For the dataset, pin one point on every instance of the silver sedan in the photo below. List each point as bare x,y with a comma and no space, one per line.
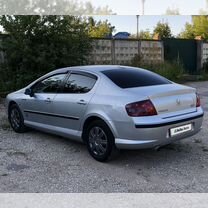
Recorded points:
108,108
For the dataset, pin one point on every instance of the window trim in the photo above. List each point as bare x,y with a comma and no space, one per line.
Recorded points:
64,73
86,74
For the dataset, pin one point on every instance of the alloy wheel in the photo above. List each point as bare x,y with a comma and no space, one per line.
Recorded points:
98,141
15,118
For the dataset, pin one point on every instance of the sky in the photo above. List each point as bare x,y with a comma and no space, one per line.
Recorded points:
152,7
128,23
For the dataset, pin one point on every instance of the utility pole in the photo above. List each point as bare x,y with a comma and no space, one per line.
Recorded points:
137,16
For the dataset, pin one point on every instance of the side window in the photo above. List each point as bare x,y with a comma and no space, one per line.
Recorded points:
49,85
78,83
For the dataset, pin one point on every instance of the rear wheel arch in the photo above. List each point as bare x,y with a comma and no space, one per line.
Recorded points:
94,143
91,119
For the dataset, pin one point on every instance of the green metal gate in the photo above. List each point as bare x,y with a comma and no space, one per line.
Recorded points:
183,50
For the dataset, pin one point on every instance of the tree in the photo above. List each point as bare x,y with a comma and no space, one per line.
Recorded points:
188,32
163,29
143,34
52,7
198,27
100,29
172,11
38,44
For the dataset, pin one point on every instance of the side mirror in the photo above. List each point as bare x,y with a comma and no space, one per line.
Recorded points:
29,92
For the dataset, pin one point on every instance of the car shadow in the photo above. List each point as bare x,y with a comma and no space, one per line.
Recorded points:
178,151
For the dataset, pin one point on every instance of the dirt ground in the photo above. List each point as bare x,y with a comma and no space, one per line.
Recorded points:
39,162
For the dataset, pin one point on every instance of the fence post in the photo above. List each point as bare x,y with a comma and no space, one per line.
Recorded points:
139,48
162,51
113,51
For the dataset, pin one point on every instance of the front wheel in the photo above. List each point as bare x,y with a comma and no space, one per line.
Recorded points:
100,141
16,119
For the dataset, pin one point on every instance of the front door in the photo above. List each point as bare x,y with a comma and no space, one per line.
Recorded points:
38,108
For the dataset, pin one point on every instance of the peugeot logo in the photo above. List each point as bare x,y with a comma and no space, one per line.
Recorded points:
178,101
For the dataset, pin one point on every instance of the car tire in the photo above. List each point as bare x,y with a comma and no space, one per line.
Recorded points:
100,141
16,119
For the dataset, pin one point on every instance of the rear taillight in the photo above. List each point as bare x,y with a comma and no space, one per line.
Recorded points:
198,102
141,108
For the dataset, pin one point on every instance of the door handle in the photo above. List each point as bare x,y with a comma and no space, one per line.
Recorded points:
82,102
48,100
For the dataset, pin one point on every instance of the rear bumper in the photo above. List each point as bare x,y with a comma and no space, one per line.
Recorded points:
158,134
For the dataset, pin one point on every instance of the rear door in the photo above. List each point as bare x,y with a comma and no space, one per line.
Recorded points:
38,108
71,102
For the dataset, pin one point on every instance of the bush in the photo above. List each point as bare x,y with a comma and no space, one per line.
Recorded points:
170,70
39,44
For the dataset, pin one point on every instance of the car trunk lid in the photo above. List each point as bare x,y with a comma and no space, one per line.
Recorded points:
170,98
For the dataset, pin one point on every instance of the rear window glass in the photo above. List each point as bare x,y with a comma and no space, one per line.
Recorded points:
129,78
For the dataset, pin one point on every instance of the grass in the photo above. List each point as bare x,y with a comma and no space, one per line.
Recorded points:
171,70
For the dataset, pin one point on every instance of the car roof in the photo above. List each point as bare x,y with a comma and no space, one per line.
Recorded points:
94,69
91,68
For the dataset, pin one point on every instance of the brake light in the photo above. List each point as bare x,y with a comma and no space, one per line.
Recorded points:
198,102
141,108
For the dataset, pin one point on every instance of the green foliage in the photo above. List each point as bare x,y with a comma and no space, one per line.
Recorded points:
143,34
51,7
188,32
163,29
198,27
99,29
39,44
170,70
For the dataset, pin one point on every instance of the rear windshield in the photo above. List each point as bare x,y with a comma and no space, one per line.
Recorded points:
129,78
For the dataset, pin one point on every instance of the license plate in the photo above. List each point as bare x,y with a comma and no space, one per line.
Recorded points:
180,129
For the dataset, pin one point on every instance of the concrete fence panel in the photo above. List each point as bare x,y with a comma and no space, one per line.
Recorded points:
122,51
204,55
101,52
125,51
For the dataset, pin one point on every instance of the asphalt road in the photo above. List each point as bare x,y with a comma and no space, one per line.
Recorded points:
39,162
